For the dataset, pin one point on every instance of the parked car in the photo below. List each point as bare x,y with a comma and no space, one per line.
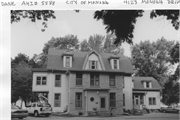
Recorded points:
171,109
40,109
17,112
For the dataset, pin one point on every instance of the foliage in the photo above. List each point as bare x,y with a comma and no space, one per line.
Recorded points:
175,53
152,59
33,15
101,43
21,82
84,46
21,77
122,22
171,87
119,22
70,42
172,15
170,92
66,42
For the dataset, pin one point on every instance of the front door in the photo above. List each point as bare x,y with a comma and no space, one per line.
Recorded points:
102,103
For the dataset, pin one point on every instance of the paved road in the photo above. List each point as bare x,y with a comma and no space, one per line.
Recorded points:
151,116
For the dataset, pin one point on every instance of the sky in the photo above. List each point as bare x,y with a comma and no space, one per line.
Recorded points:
27,37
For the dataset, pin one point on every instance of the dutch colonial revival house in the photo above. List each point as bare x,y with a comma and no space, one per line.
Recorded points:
84,82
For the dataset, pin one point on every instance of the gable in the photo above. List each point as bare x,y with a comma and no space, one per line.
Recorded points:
93,59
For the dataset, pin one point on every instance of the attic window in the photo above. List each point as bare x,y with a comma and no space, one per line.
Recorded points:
67,62
115,64
93,64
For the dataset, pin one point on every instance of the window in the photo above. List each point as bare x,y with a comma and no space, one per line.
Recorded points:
94,80
112,100
93,64
57,80
123,99
57,100
115,64
141,100
67,62
41,80
78,79
112,80
147,85
152,101
78,100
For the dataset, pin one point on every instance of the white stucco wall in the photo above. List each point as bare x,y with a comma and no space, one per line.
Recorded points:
50,87
127,91
93,57
152,94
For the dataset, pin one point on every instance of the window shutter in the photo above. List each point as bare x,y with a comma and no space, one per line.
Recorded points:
96,63
90,64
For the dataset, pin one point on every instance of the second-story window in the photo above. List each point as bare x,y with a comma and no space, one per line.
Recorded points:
57,80
94,79
115,64
78,78
93,64
111,80
67,64
41,80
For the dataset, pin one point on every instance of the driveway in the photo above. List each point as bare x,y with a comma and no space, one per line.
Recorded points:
151,116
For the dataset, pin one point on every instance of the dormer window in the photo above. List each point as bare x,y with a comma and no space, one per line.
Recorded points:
67,59
115,64
147,84
67,64
114,61
93,64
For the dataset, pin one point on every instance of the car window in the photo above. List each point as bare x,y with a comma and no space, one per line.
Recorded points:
14,107
33,105
46,105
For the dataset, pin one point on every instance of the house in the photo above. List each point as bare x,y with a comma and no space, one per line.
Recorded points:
146,92
85,82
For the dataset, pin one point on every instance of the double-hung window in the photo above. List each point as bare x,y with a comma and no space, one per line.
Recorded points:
115,64
93,64
111,80
78,100
94,79
78,78
41,80
57,80
57,100
112,99
152,101
67,62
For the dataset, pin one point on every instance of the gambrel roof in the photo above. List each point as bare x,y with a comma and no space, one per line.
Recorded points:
55,61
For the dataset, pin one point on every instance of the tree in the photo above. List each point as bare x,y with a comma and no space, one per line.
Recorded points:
101,43
33,15
84,46
70,42
171,87
152,59
21,82
21,77
110,47
122,22
172,15
95,42
170,93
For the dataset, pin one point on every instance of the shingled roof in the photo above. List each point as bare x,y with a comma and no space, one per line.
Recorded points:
138,83
55,61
